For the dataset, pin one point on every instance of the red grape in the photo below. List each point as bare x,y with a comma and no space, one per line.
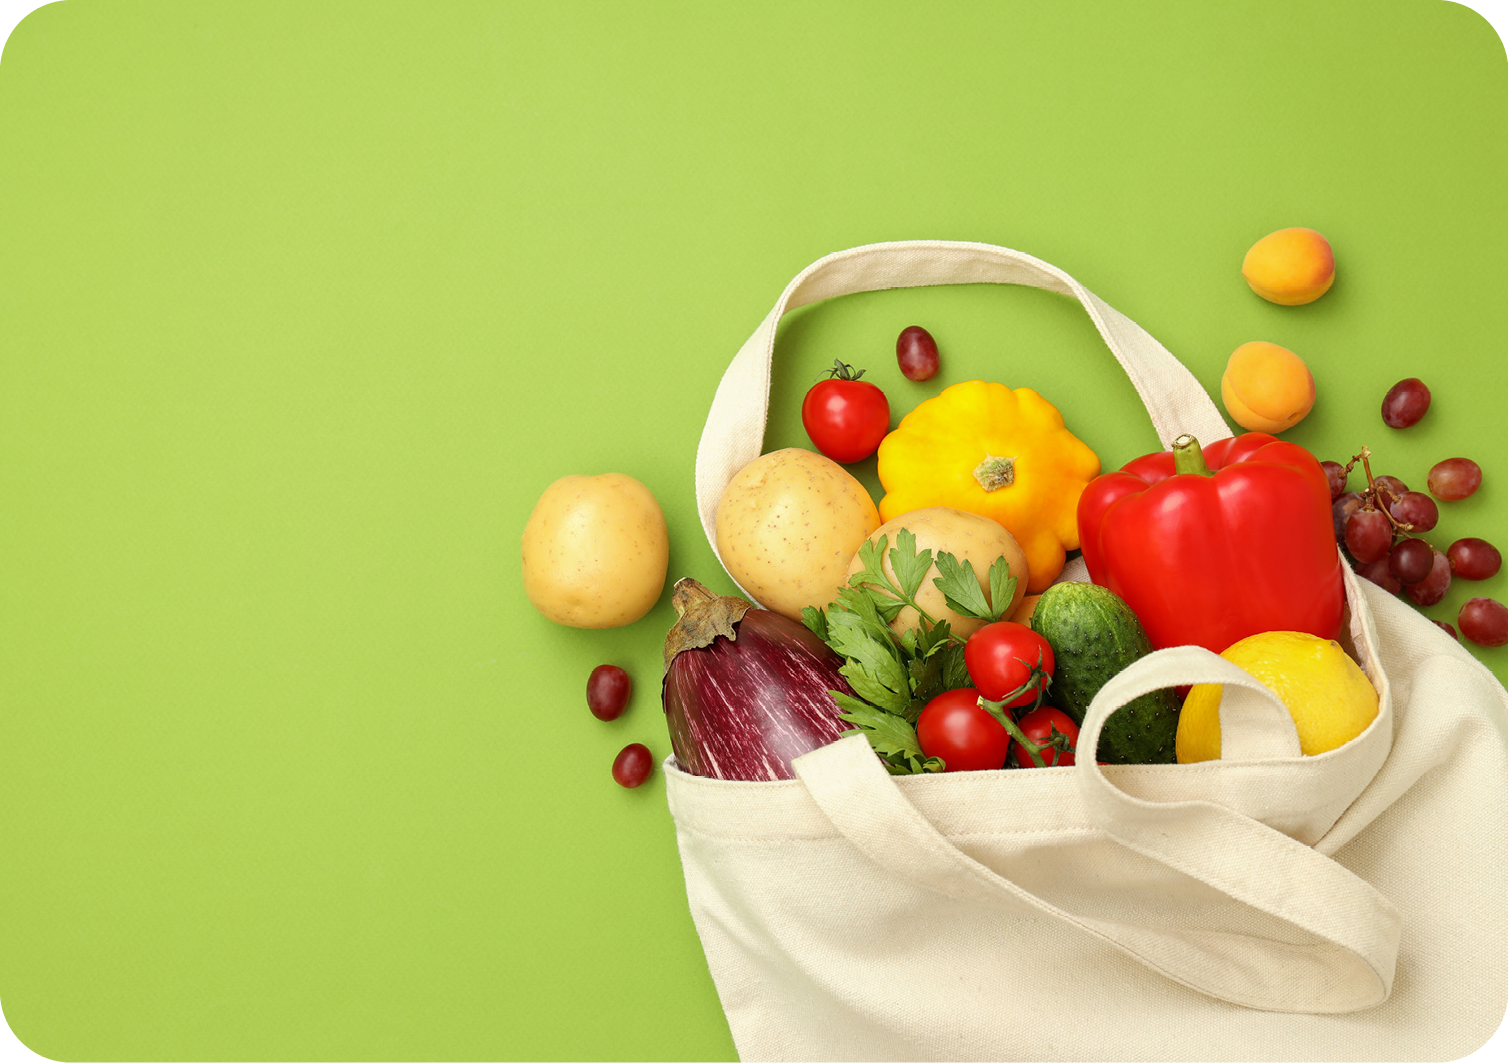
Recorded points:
1454,478
1432,588
1379,573
1411,561
1336,472
1368,535
1484,621
1443,626
607,690
633,765
1417,510
1405,403
916,351
1341,511
1392,485
1473,558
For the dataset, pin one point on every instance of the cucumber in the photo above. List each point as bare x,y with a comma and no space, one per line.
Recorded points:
1094,634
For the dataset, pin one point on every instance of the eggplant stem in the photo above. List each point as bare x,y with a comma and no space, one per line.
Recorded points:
703,616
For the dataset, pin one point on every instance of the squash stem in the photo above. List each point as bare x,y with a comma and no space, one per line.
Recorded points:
994,472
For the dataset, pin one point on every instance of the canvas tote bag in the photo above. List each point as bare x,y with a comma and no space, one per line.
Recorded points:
1264,906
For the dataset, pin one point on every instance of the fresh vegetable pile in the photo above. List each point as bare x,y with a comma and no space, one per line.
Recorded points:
933,622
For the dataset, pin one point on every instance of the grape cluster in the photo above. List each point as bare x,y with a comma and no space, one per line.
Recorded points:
1381,527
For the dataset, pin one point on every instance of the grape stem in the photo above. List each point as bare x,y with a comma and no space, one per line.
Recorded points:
1377,492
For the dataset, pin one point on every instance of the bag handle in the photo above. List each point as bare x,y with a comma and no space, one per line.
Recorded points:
1348,967
734,432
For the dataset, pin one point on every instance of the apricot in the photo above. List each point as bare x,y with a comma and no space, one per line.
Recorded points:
1266,388
1290,267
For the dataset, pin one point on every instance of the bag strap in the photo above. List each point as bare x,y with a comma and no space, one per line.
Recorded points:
734,432
1348,966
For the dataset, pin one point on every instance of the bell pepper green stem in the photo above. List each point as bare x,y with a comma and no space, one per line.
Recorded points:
1188,457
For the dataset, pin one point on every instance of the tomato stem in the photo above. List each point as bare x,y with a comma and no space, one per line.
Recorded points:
1039,680
998,710
843,371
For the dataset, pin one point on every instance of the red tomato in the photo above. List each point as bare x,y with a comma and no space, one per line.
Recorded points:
966,737
1038,725
1000,658
846,417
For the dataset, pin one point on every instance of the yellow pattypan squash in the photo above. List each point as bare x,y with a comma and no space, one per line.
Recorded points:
1000,453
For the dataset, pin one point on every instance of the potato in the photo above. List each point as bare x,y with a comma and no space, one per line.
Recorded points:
787,524
595,551
968,537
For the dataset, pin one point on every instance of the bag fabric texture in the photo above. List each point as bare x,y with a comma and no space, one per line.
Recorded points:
1268,905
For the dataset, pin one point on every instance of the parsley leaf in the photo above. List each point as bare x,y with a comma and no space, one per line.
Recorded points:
890,692
1002,587
909,565
955,671
872,576
961,590
893,738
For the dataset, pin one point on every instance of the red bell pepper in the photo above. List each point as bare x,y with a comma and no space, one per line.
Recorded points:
1210,546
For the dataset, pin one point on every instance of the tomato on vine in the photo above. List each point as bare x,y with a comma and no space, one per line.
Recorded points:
844,416
1009,662
1053,732
966,737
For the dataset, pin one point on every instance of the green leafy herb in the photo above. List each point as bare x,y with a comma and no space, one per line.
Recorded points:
893,737
961,589
894,676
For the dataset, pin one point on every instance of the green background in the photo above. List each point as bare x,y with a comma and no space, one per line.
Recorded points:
304,305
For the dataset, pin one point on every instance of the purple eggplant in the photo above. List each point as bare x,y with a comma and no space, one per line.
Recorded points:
746,689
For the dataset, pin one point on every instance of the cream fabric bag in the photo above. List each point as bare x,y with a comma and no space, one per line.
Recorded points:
1265,906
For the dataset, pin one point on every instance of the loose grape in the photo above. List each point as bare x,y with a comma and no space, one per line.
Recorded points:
633,765
607,690
1454,479
1411,561
916,351
1417,510
1443,626
1394,487
1379,573
1368,535
1341,511
1484,621
1336,472
1405,403
1432,588
1473,558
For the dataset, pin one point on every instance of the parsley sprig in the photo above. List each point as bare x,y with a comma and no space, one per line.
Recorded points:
894,676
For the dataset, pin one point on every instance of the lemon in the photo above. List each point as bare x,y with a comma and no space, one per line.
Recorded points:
1329,697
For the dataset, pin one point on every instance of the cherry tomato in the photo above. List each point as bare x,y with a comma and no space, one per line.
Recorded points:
966,737
1000,658
1038,725
846,417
